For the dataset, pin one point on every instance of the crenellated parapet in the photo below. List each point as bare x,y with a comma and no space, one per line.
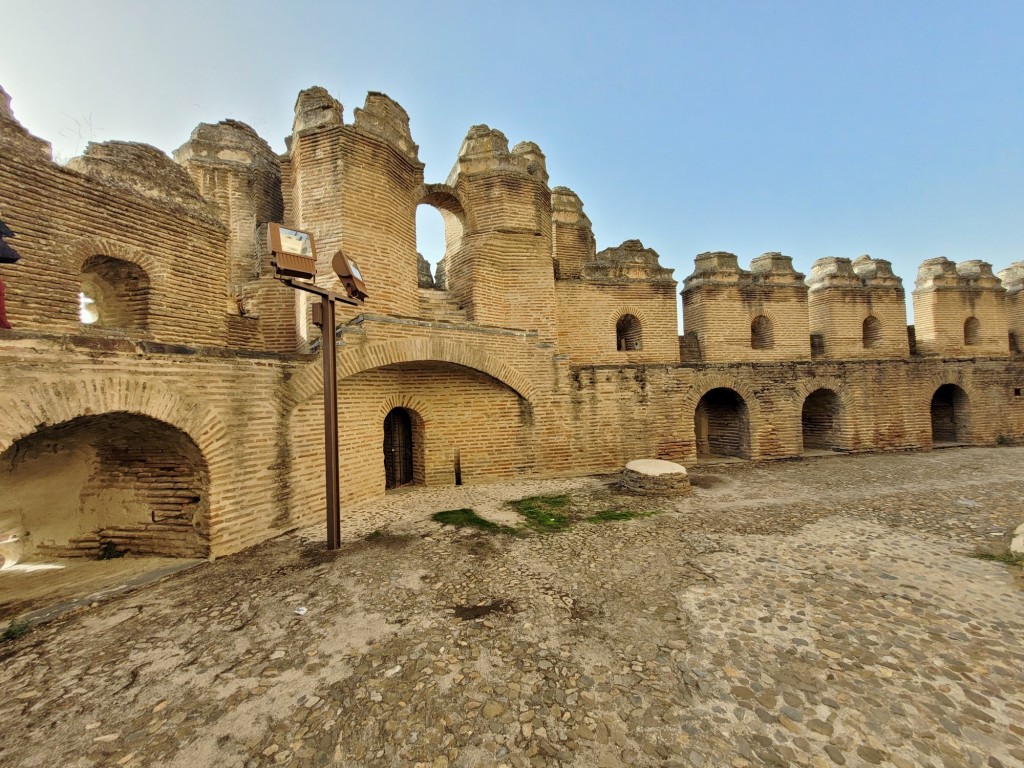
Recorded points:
746,315
858,308
504,272
316,108
1013,281
959,309
355,187
620,309
629,262
572,235
385,118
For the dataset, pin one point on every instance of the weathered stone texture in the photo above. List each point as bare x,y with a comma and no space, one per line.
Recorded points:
858,308
722,304
531,354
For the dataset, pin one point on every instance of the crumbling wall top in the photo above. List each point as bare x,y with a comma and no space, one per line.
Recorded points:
141,168
864,271
228,142
1013,277
627,262
775,267
384,117
316,108
485,149
567,207
876,271
714,267
832,272
941,273
13,131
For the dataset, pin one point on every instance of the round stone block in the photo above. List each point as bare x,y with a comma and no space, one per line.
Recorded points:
653,477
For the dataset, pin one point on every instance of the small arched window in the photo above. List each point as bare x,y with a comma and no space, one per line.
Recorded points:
972,331
628,334
872,332
115,294
761,335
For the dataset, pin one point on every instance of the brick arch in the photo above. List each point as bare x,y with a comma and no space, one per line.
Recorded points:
704,383
352,361
804,389
931,383
420,407
622,311
626,309
84,249
42,405
443,197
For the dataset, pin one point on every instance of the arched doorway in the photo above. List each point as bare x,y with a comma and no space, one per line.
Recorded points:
949,415
104,486
819,420
400,449
721,425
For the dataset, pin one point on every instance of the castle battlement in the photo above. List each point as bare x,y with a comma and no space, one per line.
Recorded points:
157,367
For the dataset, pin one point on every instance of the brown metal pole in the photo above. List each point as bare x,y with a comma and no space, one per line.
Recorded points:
330,422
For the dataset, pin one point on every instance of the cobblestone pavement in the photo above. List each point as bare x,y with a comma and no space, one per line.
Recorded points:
819,612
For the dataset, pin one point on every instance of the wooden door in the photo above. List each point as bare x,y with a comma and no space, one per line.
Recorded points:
397,448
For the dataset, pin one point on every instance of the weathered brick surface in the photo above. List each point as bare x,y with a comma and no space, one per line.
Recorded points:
514,368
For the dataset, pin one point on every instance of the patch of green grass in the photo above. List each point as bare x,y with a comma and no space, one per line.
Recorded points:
15,629
1008,558
467,518
609,515
546,514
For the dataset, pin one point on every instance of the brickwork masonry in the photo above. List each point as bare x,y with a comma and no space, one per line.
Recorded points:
162,393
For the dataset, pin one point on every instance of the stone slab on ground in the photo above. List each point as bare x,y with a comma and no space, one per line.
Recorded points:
654,477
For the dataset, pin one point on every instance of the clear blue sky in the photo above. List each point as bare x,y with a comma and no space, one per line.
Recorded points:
814,128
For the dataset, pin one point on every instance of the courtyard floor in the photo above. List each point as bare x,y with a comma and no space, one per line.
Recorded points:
818,612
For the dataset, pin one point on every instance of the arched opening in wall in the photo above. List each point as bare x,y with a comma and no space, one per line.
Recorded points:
819,421
628,334
871,334
1014,343
403,448
115,294
761,333
721,424
103,486
440,227
972,331
950,411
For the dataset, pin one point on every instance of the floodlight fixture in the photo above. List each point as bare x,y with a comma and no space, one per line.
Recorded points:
350,276
292,252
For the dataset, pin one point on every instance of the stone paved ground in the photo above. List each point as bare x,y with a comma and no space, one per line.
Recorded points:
820,612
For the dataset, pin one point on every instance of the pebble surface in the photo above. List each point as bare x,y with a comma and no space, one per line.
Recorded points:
821,612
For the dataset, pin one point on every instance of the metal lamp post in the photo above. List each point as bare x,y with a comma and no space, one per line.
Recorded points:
293,255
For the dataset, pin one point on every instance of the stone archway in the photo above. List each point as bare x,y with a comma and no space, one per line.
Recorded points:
950,414
722,424
403,448
106,485
819,420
